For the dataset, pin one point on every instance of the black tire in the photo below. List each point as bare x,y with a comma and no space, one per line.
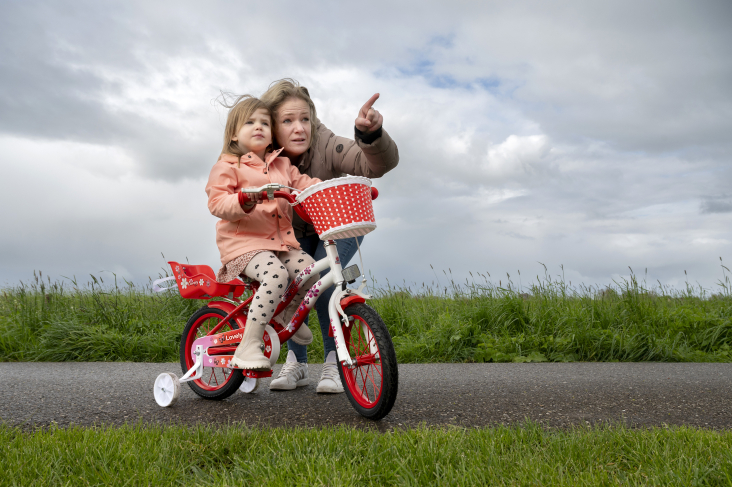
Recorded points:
216,383
371,388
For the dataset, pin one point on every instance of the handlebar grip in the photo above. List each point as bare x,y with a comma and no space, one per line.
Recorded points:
374,193
244,198
248,197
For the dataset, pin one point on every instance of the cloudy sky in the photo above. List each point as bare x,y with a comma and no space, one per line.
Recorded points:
596,136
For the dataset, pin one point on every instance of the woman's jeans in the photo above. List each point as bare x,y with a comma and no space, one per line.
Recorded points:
313,246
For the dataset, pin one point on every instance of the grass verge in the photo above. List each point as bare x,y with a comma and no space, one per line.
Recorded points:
477,321
518,455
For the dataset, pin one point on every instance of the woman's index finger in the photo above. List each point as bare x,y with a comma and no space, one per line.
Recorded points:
367,105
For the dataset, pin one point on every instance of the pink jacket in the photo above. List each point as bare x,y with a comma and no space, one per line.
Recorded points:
269,225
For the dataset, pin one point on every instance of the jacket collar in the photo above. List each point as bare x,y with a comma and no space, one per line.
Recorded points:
305,161
272,155
250,158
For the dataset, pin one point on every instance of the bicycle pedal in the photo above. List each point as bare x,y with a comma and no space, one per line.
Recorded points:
257,374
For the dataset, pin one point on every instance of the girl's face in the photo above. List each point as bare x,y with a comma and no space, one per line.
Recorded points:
255,135
292,127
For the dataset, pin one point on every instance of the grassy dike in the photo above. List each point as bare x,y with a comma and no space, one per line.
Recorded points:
228,456
473,322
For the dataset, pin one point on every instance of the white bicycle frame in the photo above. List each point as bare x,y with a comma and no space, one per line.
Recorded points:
334,277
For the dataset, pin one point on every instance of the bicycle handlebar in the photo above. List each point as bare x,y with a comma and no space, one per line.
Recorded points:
295,206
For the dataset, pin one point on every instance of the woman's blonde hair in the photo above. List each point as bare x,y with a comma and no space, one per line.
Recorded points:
282,90
240,109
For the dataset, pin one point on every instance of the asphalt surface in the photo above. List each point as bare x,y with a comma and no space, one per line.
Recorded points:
469,395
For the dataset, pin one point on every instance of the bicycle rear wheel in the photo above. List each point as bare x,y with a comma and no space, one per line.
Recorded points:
371,386
217,382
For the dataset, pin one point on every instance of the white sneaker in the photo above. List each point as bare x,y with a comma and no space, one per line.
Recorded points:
330,380
292,375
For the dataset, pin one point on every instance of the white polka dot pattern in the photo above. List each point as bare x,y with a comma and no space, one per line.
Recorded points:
341,211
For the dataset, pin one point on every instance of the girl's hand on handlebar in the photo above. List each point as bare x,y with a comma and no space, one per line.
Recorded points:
250,197
253,195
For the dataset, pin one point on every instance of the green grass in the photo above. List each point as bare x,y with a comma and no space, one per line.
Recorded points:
477,321
45,321
236,455
552,321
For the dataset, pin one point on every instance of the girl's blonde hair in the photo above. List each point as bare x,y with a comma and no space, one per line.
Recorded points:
241,109
282,90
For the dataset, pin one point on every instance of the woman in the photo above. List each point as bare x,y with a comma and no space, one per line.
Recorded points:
319,153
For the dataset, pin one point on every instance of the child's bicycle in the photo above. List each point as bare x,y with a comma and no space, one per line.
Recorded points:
338,208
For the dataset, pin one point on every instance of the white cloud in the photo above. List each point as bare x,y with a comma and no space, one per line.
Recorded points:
568,133
519,157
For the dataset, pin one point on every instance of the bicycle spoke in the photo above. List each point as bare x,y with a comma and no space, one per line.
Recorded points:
372,381
378,370
364,391
366,378
365,382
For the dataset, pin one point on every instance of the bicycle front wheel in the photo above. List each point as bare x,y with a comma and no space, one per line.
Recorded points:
371,385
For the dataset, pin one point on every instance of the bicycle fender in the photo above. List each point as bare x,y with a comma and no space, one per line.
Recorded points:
228,308
345,297
344,303
222,305
349,300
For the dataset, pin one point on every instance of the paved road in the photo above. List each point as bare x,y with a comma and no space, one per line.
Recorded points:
558,395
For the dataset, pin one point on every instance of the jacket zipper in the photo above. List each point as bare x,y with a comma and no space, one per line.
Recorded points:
277,208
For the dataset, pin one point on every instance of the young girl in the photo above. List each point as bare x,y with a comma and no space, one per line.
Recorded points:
256,239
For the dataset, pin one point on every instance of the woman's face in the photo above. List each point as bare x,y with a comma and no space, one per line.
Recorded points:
292,127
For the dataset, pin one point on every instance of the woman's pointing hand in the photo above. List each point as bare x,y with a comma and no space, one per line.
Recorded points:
369,119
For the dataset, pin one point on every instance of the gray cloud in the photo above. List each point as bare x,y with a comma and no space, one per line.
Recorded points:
716,206
569,133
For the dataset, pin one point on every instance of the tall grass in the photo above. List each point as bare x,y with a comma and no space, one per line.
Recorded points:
475,321
551,320
65,321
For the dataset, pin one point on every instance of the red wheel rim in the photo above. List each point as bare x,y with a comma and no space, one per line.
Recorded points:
214,378
364,381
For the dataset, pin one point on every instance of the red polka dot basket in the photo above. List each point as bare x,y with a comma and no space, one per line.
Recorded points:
340,207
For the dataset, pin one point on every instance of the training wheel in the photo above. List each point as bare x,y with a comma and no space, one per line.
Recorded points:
167,389
272,344
249,385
